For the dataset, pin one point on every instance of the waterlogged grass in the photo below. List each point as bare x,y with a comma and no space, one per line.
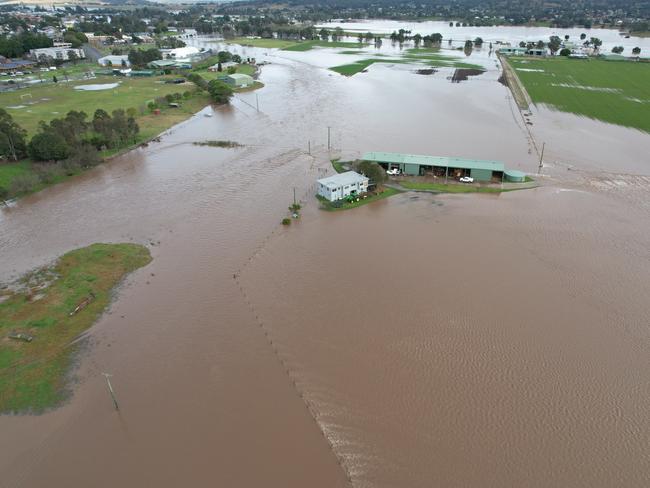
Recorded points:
343,205
264,43
358,66
456,187
33,374
430,57
618,93
8,171
338,166
308,45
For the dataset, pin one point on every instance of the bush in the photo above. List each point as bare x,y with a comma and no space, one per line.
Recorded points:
219,91
565,52
286,221
23,183
187,94
86,156
48,173
152,106
48,146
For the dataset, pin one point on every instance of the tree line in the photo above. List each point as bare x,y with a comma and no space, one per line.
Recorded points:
64,145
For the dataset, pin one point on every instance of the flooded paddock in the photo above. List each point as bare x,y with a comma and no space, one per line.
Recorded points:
473,340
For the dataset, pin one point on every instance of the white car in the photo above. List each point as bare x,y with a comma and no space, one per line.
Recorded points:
466,179
392,172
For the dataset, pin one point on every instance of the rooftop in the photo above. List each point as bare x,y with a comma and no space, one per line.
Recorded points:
440,161
341,179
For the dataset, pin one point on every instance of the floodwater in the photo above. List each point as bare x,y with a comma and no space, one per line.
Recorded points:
454,341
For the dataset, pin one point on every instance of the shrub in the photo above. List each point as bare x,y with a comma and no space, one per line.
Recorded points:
23,183
48,146
187,94
286,221
48,173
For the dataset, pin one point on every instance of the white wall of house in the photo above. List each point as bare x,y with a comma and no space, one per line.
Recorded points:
333,193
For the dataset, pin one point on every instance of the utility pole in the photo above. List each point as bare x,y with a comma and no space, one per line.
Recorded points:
110,389
309,147
541,159
328,138
257,102
294,196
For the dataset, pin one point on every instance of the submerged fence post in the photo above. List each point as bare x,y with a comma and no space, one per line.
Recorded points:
541,159
110,389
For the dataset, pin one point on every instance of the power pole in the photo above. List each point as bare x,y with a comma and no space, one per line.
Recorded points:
294,196
257,102
541,159
328,138
110,389
309,147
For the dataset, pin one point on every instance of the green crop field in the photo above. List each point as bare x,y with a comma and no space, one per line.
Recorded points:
614,92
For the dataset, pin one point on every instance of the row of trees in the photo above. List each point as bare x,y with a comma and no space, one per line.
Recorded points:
72,136
142,57
17,45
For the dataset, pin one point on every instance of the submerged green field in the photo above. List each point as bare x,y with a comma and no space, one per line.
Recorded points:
614,92
53,306
428,57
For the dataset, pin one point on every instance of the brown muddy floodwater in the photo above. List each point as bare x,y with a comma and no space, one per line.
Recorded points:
419,341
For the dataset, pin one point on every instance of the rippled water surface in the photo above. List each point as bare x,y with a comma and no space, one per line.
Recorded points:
418,341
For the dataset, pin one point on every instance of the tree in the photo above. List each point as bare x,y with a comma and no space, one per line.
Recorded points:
417,39
566,37
12,137
583,36
373,171
54,79
451,24
73,56
324,34
219,67
219,91
554,44
224,56
369,36
48,146
468,45
478,42
565,52
236,58
522,44
596,43
636,51
617,49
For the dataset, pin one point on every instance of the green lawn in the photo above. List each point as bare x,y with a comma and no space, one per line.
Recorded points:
8,171
49,101
343,205
33,374
338,166
618,93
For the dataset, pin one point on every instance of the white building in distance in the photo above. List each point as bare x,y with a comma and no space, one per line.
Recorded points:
62,53
341,185
115,60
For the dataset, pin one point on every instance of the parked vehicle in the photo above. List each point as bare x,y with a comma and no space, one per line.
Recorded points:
466,179
392,172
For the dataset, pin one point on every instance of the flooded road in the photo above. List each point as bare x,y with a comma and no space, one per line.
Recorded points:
498,341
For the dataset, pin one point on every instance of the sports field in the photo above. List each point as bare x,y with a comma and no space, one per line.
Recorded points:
617,92
52,100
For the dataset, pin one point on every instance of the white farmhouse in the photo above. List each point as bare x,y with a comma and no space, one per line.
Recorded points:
341,185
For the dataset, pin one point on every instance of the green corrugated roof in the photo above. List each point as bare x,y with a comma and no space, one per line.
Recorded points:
444,162
515,173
